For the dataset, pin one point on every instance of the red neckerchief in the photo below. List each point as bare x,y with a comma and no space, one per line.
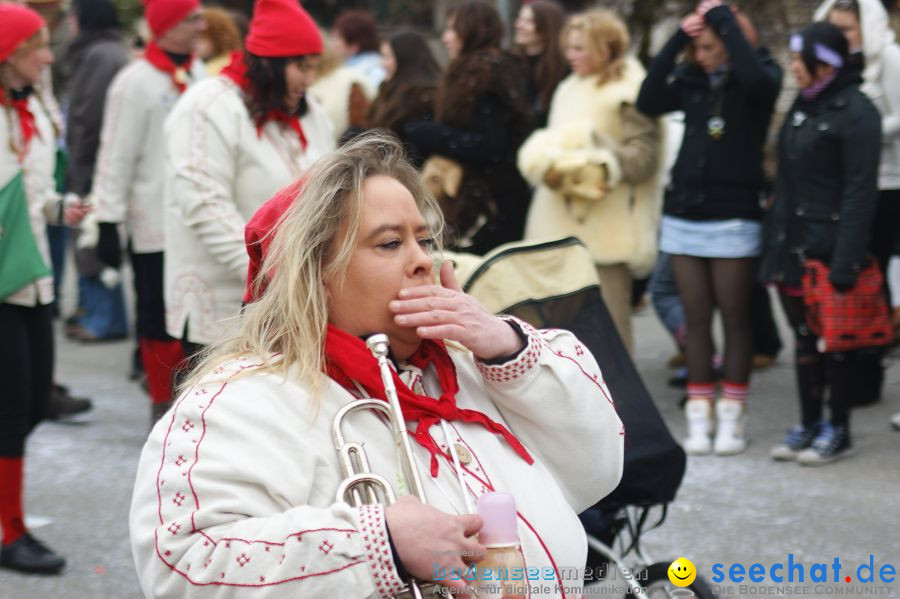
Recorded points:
348,360
179,73
27,124
237,72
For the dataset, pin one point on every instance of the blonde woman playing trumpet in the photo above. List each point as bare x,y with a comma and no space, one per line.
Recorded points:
236,488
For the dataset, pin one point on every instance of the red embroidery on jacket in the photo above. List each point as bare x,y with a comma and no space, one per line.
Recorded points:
244,557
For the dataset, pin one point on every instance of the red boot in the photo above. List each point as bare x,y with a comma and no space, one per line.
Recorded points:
161,359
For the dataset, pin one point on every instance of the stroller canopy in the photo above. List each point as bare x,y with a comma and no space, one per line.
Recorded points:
554,285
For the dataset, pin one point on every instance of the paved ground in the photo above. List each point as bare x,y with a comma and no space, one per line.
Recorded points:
744,509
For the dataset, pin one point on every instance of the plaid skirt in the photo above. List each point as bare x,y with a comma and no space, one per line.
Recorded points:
851,320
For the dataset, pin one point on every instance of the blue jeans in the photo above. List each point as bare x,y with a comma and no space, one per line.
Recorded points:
104,308
58,239
665,298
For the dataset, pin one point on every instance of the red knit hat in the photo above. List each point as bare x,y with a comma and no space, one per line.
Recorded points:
282,28
162,15
19,24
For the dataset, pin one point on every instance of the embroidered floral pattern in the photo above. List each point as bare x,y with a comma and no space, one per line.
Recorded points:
523,364
373,529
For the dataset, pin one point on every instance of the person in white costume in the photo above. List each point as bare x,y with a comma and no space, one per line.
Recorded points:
235,494
233,141
28,201
128,180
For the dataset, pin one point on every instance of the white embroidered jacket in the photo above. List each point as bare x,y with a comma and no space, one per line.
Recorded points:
128,180
235,492
219,170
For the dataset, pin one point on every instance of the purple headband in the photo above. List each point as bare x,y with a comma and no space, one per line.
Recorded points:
823,52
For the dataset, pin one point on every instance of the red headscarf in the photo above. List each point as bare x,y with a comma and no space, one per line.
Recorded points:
258,234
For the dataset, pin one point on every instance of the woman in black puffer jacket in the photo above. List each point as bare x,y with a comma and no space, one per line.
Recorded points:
825,198
712,211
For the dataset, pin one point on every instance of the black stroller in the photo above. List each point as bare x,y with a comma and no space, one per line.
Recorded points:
554,284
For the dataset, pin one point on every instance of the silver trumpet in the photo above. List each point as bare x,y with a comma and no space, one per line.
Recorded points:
360,485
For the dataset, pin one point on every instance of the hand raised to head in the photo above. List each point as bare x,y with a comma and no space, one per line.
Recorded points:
707,5
693,24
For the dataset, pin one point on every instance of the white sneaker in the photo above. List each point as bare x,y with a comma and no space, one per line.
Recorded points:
699,426
730,436
895,421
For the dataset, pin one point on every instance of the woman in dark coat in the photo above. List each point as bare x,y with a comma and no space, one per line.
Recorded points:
482,118
95,56
410,84
825,197
537,42
712,211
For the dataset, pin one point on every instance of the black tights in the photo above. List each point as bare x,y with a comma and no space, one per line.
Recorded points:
26,372
815,370
704,283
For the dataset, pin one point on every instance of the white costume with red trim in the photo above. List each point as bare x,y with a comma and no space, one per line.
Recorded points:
235,492
40,188
128,181
219,170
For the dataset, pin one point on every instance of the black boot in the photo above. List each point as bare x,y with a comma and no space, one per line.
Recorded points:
869,376
27,554
811,380
64,407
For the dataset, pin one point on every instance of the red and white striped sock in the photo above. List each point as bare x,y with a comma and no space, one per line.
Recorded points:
701,391
735,391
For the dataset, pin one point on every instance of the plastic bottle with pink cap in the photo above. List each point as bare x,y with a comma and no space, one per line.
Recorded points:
498,577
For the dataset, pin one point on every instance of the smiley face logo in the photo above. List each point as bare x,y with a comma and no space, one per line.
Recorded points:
682,572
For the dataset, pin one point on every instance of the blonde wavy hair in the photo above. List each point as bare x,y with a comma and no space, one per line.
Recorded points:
311,245
606,38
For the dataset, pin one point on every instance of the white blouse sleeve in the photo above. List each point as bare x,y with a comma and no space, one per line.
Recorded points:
555,400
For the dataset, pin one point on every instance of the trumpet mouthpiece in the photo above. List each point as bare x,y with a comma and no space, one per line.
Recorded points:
378,345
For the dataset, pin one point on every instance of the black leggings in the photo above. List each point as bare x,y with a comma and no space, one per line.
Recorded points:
816,370
704,283
148,286
26,372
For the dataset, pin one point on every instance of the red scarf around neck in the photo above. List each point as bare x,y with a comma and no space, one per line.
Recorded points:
27,124
179,73
237,72
348,360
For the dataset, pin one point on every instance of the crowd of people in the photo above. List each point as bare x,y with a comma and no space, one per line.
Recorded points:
280,191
